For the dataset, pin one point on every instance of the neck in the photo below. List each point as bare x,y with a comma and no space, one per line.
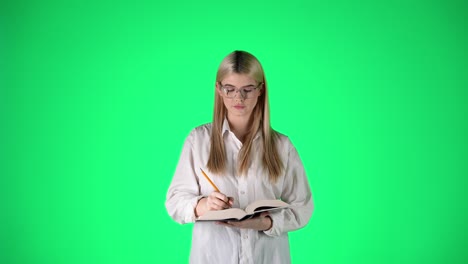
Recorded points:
239,126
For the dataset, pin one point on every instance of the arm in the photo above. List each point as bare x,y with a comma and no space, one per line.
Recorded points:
296,192
183,194
184,202
262,222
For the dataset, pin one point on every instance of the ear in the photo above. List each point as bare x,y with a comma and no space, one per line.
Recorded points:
218,88
262,88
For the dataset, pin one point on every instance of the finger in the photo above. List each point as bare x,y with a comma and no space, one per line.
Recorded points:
264,214
235,224
217,204
231,201
220,196
222,223
221,203
215,207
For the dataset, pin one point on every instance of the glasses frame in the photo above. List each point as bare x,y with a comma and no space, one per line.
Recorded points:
238,90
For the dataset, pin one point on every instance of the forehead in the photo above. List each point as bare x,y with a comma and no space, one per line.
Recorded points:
238,80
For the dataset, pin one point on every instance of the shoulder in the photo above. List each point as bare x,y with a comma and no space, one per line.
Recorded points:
283,142
200,133
287,150
202,129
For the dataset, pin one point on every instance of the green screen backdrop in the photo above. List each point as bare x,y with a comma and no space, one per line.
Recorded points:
97,97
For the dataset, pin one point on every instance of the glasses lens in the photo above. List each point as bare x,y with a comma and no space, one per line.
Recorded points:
230,92
246,92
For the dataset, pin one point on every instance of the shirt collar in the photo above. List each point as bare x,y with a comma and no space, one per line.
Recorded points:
227,128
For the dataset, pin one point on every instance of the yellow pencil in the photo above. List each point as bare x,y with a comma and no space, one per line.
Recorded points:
209,180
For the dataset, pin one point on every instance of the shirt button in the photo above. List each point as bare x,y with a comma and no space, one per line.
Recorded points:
242,192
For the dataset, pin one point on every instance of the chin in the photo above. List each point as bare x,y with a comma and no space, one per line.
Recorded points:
242,114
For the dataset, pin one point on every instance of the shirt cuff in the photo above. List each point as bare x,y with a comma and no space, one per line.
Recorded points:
190,214
277,220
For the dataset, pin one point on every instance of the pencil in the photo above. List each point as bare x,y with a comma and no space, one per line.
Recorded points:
209,180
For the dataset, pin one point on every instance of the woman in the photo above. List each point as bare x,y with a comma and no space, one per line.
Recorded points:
248,161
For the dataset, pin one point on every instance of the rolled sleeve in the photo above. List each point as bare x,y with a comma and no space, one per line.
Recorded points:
184,194
296,192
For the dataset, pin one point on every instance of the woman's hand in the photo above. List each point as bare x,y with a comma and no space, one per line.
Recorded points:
215,201
262,222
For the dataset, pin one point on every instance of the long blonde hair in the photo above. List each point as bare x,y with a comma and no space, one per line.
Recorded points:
242,62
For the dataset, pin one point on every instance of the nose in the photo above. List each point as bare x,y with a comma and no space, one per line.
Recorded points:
239,95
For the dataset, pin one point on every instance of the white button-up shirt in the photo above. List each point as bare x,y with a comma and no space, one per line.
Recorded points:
213,243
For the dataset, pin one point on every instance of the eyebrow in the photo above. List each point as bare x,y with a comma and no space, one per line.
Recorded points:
227,84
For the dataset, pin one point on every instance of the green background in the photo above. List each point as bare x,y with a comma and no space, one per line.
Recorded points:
97,97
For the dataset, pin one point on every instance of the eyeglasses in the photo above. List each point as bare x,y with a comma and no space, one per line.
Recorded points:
247,92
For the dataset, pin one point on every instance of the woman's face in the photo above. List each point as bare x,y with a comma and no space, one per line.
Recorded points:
242,104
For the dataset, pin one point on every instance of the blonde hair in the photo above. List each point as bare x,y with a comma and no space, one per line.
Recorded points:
242,62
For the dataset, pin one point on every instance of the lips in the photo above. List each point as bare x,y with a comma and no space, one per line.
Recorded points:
239,106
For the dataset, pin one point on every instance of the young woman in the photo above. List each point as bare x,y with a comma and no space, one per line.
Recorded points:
248,161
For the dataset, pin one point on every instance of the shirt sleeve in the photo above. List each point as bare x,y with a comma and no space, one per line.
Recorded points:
184,193
296,192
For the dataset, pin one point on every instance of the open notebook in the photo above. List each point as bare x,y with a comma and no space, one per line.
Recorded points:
237,214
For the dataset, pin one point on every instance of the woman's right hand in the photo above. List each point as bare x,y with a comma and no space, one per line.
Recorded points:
218,201
215,201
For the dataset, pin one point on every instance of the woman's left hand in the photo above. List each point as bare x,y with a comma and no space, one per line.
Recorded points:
261,223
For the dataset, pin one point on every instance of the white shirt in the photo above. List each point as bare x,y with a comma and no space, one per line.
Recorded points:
213,243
